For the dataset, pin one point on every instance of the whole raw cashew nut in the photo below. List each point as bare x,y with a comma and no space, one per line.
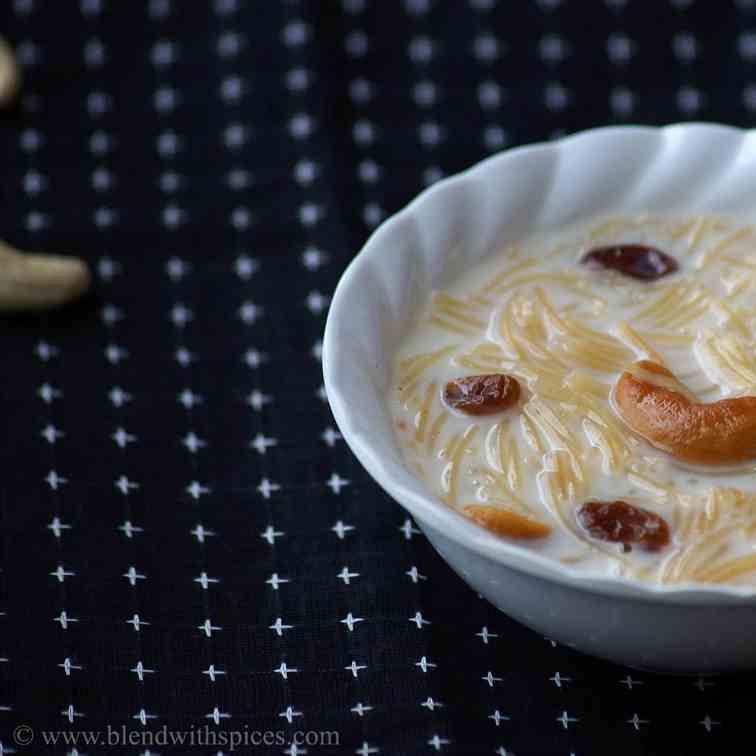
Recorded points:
10,74
658,407
31,281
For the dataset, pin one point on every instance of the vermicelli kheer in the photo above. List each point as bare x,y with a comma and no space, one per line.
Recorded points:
592,394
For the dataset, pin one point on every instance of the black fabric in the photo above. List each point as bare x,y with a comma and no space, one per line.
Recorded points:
219,164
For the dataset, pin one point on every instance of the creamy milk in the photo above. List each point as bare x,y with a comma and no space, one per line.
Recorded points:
566,332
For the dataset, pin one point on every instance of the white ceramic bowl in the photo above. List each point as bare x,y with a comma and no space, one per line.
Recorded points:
687,168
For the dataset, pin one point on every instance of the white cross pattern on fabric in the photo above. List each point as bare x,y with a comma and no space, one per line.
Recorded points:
142,716
64,619
313,258
629,682
136,622
270,534
205,581
701,683
266,488
34,182
254,358
261,443
239,179
419,620
169,182
249,312
51,434
111,314
484,634
408,529
71,714
244,266
274,581
54,480
566,720
636,721
366,749
310,214
46,351
140,671
193,442
709,723
115,354
346,575
128,529
102,181
341,529
57,526
61,573
350,621
181,315
498,717
360,709
195,489
438,742
285,670
289,714
278,627
122,438
257,400
48,393
216,715
330,437
354,668
125,486
200,533
188,399
305,172
107,267
208,628
316,302
491,679
336,483
414,575
68,666
118,397
424,664
132,576
212,672
559,679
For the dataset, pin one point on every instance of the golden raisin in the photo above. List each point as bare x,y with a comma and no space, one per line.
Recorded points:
482,394
620,522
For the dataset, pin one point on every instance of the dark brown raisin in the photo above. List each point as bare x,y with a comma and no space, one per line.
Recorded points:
620,522
634,260
482,394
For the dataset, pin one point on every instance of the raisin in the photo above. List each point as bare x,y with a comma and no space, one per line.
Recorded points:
634,260
482,394
620,522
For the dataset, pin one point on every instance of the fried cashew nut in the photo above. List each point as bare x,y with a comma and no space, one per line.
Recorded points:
505,523
10,74
30,281
654,404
